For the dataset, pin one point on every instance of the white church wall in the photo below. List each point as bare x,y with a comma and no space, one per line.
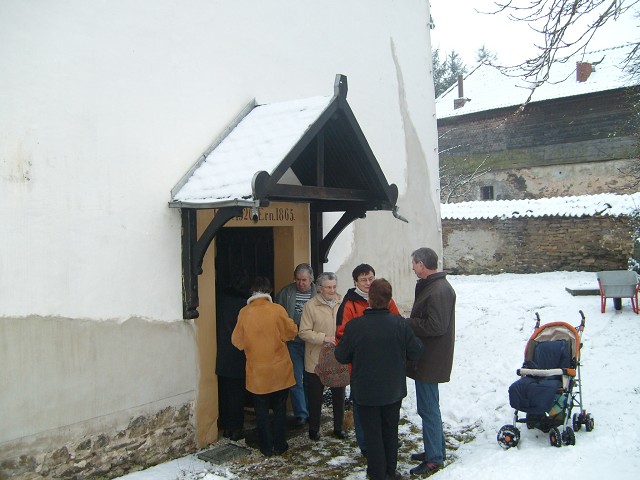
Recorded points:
78,377
405,143
107,105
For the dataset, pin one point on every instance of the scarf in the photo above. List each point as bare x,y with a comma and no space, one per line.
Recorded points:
362,294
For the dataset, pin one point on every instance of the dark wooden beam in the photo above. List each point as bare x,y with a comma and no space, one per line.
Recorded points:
222,216
363,144
345,220
307,193
320,159
315,227
193,251
306,139
189,277
343,206
340,86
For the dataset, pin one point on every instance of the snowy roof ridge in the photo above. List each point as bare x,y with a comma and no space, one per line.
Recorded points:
258,142
605,204
487,88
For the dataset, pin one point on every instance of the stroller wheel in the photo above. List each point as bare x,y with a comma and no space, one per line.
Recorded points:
508,436
555,439
577,424
568,436
589,422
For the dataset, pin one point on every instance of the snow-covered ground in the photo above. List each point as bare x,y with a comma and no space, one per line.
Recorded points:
495,317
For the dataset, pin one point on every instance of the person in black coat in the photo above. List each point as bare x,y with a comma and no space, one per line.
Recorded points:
378,345
230,364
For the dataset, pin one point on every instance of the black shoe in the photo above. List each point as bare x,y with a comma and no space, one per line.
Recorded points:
226,433
301,422
425,467
314,435
236,435
339,434
419,457
251,439
394,476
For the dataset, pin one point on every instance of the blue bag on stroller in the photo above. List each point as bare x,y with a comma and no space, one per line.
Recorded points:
535,395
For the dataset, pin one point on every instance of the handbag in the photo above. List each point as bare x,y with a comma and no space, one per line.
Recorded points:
331,372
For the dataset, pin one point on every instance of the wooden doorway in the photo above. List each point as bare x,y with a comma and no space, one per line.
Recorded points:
243,252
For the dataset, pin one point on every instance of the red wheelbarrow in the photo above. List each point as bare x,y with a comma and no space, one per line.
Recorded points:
618,284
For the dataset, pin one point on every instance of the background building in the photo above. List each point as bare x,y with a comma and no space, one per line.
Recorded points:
572,138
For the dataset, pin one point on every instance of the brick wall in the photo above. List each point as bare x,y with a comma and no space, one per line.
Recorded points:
540,244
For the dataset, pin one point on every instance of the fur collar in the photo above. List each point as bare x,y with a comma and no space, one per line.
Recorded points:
257,295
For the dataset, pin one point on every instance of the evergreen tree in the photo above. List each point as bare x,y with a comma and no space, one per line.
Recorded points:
484,55
445,72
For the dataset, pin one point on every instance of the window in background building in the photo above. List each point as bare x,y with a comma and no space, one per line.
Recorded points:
486,193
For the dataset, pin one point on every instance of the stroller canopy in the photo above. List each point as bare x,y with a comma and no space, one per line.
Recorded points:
551,332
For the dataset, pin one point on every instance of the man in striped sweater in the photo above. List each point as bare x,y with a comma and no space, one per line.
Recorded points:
292,298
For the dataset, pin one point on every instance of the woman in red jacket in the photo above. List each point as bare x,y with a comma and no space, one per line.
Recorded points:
354,303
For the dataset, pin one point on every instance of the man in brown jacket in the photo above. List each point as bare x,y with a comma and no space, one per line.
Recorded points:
433,321
262,331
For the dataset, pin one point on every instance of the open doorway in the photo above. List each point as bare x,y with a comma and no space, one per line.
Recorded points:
241,254
281,241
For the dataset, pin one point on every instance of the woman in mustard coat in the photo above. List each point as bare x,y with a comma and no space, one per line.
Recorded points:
262,331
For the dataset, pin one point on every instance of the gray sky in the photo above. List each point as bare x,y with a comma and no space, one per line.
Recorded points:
459,27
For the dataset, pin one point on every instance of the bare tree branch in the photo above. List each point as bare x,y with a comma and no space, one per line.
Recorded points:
457,185
566,28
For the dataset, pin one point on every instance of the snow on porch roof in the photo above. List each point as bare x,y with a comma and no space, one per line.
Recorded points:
259,142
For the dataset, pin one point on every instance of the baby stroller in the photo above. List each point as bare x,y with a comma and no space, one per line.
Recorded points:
550,386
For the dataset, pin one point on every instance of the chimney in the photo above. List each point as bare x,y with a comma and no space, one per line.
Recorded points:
460,101
583,70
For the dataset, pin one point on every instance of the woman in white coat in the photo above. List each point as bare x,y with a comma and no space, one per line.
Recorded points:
318,326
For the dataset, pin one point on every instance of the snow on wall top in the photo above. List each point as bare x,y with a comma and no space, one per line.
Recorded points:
259,142
607,204
488,89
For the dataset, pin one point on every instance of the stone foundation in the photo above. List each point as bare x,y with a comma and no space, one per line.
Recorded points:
147,441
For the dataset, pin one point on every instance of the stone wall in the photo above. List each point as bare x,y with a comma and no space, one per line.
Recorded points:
147,441
538,244
553,181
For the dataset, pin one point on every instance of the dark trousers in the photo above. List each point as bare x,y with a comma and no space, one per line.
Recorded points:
272,436
231,396
315,391
380,426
